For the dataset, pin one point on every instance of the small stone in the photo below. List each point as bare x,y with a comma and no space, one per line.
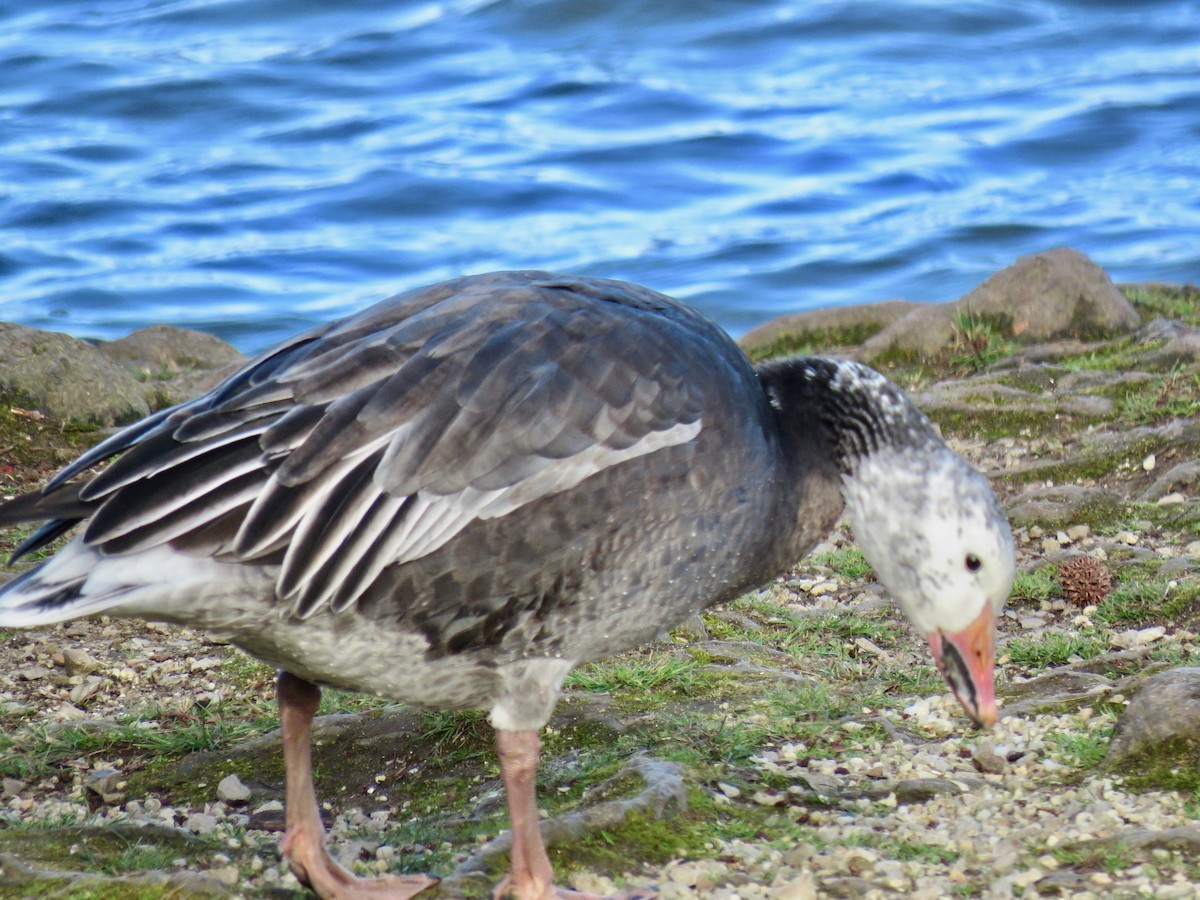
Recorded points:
1149,635
11,787
860,861
1026,878
729,790
1172,499
86,689
1078,532
78,662
687,874
1149,463
799,856
231,790
225,874
201,823
33,673
986,760
1032,622
68,712
770,798
1050,545
869,646
802,888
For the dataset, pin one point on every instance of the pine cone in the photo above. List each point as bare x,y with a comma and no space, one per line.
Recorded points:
1085,580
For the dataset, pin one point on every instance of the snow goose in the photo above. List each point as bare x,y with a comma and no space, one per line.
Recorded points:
457,495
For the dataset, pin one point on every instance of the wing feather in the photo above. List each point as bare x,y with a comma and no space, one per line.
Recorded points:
373,441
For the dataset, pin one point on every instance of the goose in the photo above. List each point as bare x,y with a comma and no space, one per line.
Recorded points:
455,496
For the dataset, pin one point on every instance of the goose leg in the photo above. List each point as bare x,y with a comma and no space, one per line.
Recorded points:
530,877
303,844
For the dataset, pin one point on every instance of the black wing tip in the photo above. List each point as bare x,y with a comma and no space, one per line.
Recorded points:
50,531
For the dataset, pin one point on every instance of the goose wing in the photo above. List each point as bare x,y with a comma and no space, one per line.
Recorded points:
374,440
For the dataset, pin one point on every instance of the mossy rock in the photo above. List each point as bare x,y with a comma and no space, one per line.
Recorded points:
66,379
1156,744
822,329
1066,504
1047,296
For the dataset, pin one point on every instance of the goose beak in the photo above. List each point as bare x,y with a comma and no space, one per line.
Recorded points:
967,661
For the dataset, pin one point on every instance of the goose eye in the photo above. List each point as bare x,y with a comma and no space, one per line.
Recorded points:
974,564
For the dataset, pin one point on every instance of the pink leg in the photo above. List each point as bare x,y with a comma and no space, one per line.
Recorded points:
303,844
531,877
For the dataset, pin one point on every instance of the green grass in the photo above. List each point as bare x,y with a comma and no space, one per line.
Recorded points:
37,752
847,562
1152,601
1039,584
645,673
978,342
1081,750
1052,649
904,851
1174,395
1172,301
1109,858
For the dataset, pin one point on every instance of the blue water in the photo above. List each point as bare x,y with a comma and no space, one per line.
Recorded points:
251,166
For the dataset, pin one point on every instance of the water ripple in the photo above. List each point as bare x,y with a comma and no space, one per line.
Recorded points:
252,166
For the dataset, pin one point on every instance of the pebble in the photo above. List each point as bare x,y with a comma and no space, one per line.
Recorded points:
802,888
79,662
201,823
225,874
232,790
986,760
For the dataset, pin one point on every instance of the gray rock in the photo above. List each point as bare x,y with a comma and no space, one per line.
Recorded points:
1162,719
103,787
1064,505
78,662
201,823
12,787
1180,343
231,790
1055,693
164,350
173,364
1184,475
987,760
921,790
66,378
1057,294
850,888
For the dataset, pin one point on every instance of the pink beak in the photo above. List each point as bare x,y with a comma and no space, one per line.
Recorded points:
967,660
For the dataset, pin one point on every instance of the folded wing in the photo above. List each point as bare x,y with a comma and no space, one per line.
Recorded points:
375,440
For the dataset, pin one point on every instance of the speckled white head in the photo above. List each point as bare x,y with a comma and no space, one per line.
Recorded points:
930,526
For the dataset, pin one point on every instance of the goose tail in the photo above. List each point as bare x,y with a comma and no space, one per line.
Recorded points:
54,591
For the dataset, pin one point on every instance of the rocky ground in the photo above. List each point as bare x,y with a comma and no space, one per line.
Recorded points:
795,744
